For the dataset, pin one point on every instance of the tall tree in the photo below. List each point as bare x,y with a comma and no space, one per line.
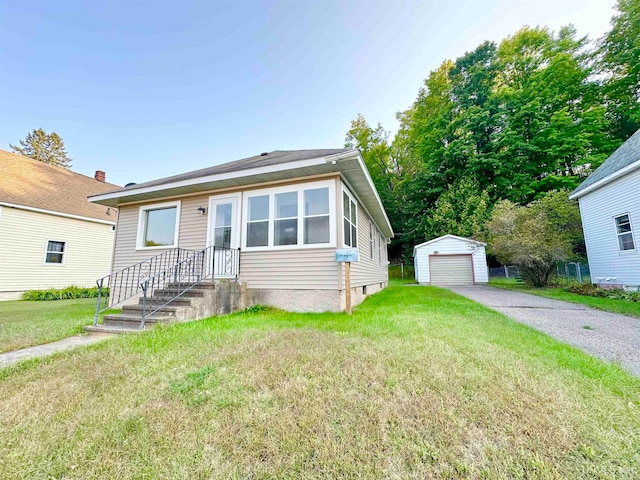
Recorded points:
45,147
619,55
462,210
535,236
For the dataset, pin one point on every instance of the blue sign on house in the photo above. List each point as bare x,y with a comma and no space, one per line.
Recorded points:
347,255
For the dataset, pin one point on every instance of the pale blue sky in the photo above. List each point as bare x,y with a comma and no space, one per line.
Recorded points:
146,89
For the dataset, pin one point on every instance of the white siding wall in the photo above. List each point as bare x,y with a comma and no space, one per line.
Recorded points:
598,209
23,240
450,246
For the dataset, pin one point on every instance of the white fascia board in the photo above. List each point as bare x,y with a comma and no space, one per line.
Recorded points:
356,153
449,235
605,180
57,214
209,178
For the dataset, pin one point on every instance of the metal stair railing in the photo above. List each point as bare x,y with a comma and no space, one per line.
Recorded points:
122,285
185,275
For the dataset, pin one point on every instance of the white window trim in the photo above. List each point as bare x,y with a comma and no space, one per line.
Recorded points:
141,215
353,199
299,188
213,201
633,237
46,251
372,231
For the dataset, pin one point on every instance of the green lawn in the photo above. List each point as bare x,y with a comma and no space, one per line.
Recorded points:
23,324
607,304
417,383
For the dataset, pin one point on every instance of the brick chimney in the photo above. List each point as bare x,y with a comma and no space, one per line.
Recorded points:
100,176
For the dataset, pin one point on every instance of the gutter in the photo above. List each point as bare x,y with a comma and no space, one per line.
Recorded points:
57,214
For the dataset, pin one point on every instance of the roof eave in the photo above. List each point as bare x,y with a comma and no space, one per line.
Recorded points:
321,165
604,181
449,235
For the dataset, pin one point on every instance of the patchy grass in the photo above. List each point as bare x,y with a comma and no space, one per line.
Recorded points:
613,305
417,383
27,323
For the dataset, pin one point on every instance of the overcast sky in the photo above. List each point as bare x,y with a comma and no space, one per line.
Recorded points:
146,89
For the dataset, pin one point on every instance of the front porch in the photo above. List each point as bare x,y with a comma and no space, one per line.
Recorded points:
173,286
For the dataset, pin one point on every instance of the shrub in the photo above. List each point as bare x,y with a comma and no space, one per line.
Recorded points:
592,290
67,293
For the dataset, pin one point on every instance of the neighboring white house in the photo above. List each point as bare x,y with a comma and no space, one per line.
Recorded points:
450,260
50,235
283,213
610,208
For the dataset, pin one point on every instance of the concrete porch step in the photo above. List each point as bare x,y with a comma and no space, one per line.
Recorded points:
134,321
157,301
168,293
168,310
205,285
112,329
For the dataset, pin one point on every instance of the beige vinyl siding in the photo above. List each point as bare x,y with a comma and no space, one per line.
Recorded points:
369,271
303,269
23,239
192,231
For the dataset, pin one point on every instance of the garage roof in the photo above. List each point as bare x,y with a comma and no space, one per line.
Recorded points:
468,240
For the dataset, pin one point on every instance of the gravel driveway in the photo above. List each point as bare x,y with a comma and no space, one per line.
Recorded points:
609,336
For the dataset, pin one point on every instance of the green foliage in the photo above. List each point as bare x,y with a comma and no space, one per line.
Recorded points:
396,272
67,293
461,210
592,290
618,61
45,147
253,309
534,113
536,236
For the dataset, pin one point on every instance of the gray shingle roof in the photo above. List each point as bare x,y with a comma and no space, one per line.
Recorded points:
272,158
626,154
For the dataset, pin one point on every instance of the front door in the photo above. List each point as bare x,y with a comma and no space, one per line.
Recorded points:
224,235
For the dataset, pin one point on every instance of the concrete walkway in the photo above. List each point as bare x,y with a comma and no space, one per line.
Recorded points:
609,336
15,356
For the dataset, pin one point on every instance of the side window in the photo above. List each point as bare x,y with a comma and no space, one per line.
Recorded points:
624,233
371,239
55,252
350,216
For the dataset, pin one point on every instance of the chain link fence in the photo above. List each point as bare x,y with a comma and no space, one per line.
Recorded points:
566,272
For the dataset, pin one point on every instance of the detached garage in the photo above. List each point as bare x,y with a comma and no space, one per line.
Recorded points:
451,260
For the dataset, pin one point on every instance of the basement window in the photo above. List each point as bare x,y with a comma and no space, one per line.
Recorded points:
624,233
55,252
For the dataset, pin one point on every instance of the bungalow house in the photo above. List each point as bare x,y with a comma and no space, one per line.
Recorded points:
610,209
275,220
51,236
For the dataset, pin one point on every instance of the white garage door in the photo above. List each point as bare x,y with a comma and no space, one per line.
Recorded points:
451,270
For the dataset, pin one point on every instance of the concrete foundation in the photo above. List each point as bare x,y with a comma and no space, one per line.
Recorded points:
311,300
